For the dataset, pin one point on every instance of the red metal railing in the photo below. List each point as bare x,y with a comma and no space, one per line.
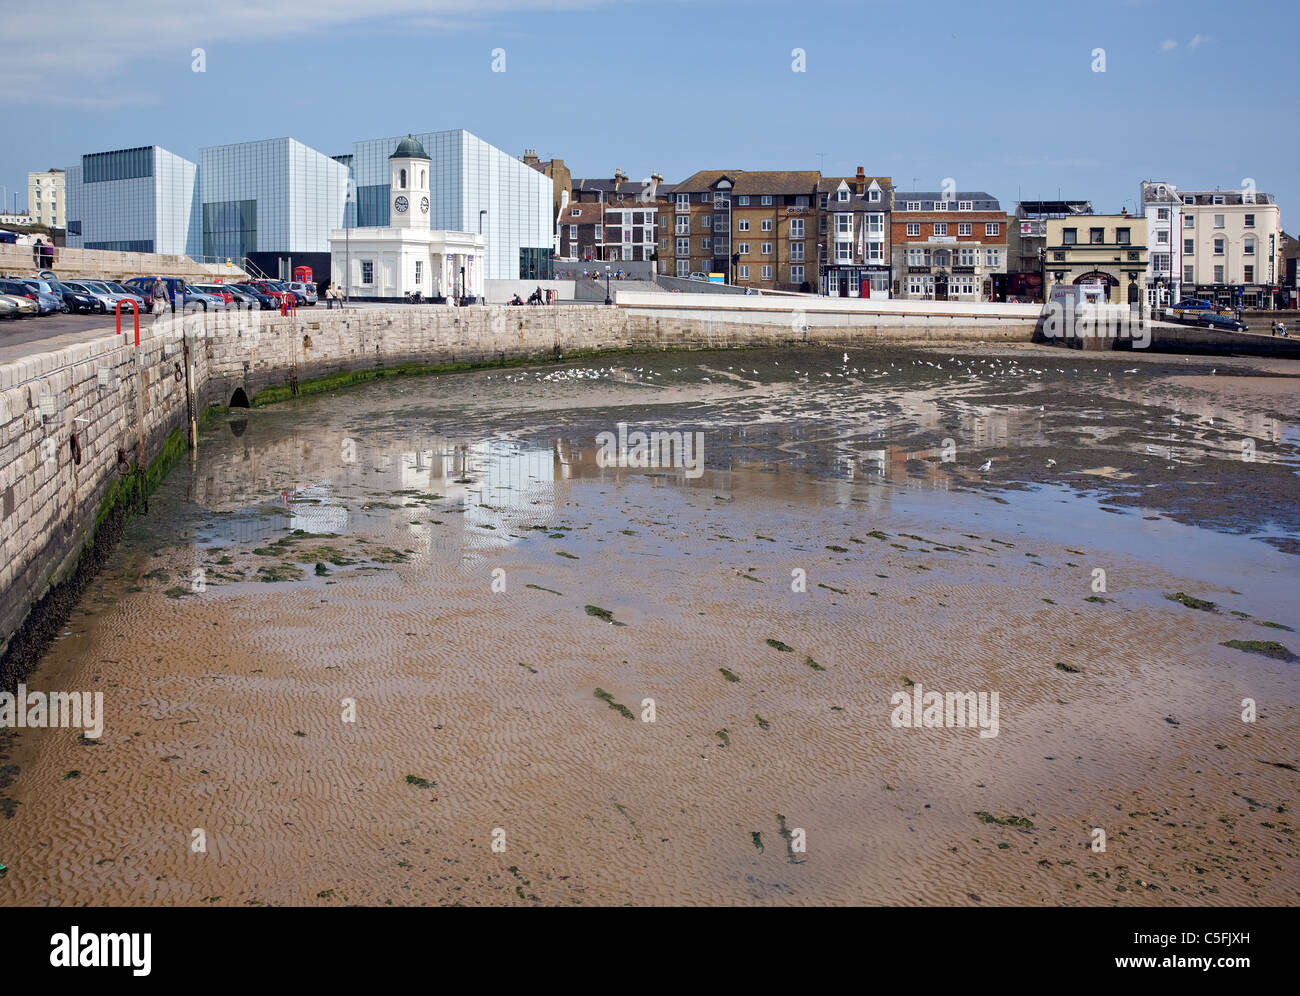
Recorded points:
135,310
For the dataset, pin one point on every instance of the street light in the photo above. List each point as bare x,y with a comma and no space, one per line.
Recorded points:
608,300
481,213
349,198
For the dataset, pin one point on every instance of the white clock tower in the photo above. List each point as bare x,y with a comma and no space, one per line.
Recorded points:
408,186
408,257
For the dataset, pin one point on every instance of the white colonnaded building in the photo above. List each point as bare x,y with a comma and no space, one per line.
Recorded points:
407,256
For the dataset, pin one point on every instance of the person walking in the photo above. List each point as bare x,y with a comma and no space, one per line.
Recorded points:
158,296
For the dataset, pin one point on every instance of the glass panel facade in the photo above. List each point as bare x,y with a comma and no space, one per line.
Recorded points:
130,245
230,229
126,164
134,197
536,264
276,195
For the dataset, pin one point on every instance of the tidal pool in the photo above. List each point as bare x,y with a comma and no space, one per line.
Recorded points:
403,643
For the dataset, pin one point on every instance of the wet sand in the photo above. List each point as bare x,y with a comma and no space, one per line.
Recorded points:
477,710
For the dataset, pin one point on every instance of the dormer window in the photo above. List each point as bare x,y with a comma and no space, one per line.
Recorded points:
843,194
874,195
576,213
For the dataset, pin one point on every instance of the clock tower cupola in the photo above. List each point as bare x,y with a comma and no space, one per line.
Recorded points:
408,185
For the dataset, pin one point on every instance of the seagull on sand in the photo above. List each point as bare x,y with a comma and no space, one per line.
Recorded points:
986,466
1051,462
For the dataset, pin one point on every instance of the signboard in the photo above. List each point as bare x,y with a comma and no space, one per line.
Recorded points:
918,269
963,269
1033,228
717,278
945,239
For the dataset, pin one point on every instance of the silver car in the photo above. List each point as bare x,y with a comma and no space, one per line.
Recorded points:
101,297
49,302
307,290
105,290
117,288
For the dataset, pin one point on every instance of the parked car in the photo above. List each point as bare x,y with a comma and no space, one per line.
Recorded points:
253,297
187,297
272,289
699,276
79,300
8,307
100,297
284,288
21,292
306,291
218,290
202,299
111,296
116,287
1213,320
48,301
25,305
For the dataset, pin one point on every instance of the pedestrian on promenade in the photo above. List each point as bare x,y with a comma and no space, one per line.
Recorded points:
158,296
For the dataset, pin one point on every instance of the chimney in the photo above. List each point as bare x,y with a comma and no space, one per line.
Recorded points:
530,156
862,180
619,175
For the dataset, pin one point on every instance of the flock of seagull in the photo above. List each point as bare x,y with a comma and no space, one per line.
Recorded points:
971,368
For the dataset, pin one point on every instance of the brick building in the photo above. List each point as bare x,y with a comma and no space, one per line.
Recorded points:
947,248
756,228
853,214
615,219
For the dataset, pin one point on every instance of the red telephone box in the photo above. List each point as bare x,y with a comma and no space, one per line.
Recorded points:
302,274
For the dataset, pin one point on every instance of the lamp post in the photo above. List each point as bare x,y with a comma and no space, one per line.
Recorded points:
608,299
349,198
481,213
462,287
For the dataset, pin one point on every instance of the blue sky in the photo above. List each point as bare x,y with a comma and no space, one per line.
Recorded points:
999,96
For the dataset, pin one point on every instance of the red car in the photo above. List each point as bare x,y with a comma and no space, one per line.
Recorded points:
270,290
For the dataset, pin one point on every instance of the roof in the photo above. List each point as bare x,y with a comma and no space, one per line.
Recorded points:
1229,197
591,213
830,184
409,148
704,180
980,200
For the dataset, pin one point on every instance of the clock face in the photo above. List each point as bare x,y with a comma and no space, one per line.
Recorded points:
401,204
424,204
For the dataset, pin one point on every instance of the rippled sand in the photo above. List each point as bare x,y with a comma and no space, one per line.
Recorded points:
225,705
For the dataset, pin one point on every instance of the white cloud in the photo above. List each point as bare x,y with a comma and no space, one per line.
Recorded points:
1168,45
127,32
1199,40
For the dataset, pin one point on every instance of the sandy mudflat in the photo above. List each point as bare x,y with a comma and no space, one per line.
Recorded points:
224,706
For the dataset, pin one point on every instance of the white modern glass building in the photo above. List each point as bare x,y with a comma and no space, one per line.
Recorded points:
134,200
275,196
474,187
